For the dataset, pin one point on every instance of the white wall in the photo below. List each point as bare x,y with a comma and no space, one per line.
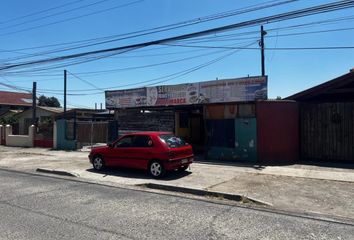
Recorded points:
20,140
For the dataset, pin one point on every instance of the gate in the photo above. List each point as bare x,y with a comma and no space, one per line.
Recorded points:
44,135
92,132
327,131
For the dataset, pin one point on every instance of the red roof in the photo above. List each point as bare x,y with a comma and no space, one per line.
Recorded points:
15,98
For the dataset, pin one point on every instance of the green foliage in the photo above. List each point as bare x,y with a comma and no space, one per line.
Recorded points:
8,120
48,101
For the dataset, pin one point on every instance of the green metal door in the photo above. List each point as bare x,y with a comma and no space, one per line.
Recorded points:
246,139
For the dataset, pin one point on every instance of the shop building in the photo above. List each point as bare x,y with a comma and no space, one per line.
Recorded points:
219,118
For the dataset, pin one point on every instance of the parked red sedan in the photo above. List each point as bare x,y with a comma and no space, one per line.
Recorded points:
156,152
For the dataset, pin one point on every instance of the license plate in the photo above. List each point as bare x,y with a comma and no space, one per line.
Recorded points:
184,160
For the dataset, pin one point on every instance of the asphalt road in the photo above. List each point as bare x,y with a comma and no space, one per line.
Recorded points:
41,207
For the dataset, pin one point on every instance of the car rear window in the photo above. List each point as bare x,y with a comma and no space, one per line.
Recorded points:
172,141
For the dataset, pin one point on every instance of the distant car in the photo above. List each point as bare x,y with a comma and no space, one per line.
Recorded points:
156,152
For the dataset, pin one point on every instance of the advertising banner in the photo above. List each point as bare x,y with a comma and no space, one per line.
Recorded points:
126,98
180,94
217,91
234,90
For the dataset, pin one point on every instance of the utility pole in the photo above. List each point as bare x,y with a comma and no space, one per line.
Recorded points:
34,103
64,93
261,44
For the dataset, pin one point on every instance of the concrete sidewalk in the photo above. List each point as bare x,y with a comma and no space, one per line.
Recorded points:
299,188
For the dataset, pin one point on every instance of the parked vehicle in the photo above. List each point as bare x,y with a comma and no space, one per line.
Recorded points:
156,152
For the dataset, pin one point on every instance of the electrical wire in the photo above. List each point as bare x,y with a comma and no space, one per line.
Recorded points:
54,14
255,48
72,18
153,81
140,33
40,12
270,19
85,81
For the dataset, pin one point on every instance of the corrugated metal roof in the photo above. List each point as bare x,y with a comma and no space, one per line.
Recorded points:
15,98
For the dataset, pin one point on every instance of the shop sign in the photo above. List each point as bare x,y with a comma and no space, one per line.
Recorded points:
181,94
218,91
233,90
126,98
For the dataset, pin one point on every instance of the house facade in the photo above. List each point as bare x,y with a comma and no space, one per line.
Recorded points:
43,115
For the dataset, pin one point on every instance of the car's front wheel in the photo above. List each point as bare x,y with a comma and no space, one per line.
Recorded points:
156,169
98,162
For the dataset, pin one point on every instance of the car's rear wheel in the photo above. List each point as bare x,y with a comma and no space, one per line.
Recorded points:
98,162
156,169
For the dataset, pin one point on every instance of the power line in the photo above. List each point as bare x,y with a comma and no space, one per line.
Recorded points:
54,14
270,19
140,33
73,18
153,81
85,81
203,47
40,12
286,28
269,48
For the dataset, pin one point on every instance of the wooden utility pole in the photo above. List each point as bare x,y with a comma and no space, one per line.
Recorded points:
261,44
64,93
34,103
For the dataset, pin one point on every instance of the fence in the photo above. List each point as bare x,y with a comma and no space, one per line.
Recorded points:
327,131
70,135
44,135
19,140
92,132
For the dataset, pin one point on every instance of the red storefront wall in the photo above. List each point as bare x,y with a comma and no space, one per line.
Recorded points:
277,131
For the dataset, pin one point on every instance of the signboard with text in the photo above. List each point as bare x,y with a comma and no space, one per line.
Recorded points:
217,91
126,98
180,94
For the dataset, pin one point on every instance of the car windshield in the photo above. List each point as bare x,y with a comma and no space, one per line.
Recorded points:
173,141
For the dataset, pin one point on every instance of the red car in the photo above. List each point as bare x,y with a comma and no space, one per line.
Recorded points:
156,152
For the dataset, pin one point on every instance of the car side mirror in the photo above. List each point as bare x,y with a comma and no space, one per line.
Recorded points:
110,145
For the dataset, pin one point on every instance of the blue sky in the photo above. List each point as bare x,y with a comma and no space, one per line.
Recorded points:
288,71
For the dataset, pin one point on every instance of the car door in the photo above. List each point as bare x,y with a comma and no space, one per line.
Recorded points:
119,154
142,151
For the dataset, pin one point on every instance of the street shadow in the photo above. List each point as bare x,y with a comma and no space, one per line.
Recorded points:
138,174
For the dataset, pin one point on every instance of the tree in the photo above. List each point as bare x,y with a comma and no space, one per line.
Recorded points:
48,101
9,120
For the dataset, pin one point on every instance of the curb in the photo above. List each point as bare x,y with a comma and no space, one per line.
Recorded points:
201,192
57,172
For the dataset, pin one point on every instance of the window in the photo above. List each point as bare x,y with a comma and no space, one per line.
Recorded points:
125,142
142,141
173,141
